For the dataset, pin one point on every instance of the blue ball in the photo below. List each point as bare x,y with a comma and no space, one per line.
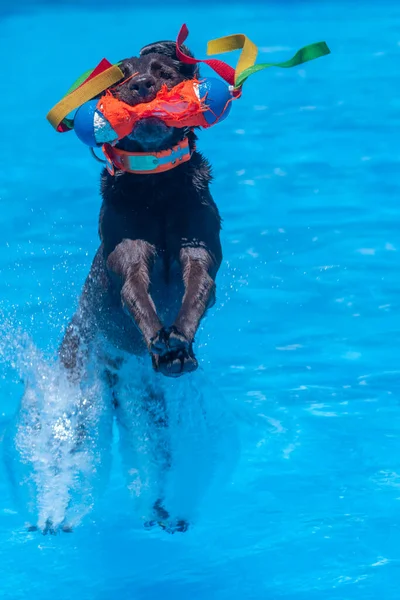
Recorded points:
218,97
84,123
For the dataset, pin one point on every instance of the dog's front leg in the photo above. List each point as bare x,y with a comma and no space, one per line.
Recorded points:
132,261
198,269
174,345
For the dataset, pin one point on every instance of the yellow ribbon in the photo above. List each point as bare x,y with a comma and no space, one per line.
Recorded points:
238,41
82,94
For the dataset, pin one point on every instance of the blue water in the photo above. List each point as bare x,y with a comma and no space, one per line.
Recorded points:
299,359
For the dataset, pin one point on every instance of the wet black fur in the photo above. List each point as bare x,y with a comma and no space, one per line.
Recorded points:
153,277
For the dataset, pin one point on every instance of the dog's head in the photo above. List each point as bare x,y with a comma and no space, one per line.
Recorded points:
156,66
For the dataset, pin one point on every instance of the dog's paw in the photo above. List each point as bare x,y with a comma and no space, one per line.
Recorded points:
177,526
168,339
175,363
172,353
48,528
163,520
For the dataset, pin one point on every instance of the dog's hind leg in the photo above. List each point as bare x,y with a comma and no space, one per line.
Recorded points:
74,351
59,445
145,446
59,448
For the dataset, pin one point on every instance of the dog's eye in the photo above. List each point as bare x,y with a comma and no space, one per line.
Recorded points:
165,74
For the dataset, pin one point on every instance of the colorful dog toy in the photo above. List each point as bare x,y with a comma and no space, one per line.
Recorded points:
192,103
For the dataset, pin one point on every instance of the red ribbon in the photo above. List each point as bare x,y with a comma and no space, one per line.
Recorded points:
225,71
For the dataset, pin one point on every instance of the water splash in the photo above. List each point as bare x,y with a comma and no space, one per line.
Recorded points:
178,439
57,447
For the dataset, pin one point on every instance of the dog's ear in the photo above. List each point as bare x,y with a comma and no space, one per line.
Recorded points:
168,48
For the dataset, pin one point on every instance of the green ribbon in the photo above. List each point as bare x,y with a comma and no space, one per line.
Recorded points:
83,77
78,82
305,54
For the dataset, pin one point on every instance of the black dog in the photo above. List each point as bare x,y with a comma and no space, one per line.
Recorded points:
150,284
153,277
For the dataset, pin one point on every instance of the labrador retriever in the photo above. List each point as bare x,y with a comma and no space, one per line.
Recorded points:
153,276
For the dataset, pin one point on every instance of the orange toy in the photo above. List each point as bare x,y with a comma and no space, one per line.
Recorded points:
179,107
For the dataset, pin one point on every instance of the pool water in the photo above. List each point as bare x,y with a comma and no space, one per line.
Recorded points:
301,352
